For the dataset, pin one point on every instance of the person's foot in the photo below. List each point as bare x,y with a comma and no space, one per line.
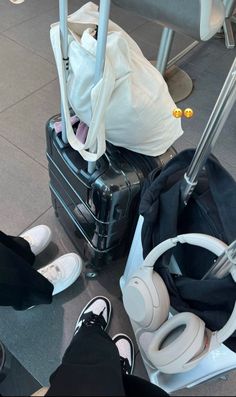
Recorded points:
17,1
38,238
63,272
126,351
96,312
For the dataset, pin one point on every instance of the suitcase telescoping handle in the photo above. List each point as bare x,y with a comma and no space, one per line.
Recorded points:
211,133
104,12
63,13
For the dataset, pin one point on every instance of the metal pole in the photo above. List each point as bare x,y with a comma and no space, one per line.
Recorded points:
211,133
229,7
182,54
229,34
63,13
164,49
104,13
221,268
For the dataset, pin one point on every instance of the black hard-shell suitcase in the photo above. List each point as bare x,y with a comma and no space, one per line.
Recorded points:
99,210
97,203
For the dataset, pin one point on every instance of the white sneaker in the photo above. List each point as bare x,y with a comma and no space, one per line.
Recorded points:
126,351
96,312
17,1
38,238
63,272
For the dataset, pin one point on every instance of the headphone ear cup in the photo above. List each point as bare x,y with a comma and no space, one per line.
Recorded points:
180,340
146,299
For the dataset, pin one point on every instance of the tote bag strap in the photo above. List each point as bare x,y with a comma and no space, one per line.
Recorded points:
100,97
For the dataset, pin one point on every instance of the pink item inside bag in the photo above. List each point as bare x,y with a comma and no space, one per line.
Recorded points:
58,124
82,132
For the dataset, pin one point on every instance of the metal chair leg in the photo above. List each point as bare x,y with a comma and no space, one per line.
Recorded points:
179,83
229,34
164,49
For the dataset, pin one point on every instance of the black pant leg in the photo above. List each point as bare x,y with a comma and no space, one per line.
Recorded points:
90,367
21,286
19,246
135,386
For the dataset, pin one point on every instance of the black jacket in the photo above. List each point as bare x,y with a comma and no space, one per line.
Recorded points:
210,210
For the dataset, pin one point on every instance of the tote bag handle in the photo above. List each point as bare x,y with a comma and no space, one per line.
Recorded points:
101,93
100,97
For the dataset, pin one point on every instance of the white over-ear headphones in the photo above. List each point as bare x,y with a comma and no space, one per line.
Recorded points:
182,341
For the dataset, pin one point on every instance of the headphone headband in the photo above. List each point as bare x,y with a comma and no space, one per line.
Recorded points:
210,243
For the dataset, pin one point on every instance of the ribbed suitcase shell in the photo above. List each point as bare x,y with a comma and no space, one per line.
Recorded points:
98,211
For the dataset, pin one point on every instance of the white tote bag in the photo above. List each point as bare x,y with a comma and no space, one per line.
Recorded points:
130,106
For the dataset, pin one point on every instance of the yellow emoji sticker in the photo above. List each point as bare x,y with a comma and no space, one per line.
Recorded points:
177,113
188,112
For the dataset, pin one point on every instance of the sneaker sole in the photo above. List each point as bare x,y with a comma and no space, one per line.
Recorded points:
132,349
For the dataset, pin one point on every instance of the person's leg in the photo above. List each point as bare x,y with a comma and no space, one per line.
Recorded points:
135,386
19,246
21,286
30,243
91,364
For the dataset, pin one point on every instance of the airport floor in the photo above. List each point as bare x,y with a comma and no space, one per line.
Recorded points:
29,96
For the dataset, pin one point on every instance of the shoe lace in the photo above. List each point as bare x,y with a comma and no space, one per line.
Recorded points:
125,365
95,319
52,273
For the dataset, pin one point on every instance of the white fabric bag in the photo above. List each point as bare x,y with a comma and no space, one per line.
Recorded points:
129,107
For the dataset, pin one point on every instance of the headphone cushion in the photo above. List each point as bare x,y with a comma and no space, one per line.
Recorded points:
176,342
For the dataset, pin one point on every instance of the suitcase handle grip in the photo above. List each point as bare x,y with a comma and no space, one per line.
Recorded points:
70,163
62,149
65,151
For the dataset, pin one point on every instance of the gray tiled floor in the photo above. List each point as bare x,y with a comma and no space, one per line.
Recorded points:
22,72
27,133
10,16
23,188
18,382
29,96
